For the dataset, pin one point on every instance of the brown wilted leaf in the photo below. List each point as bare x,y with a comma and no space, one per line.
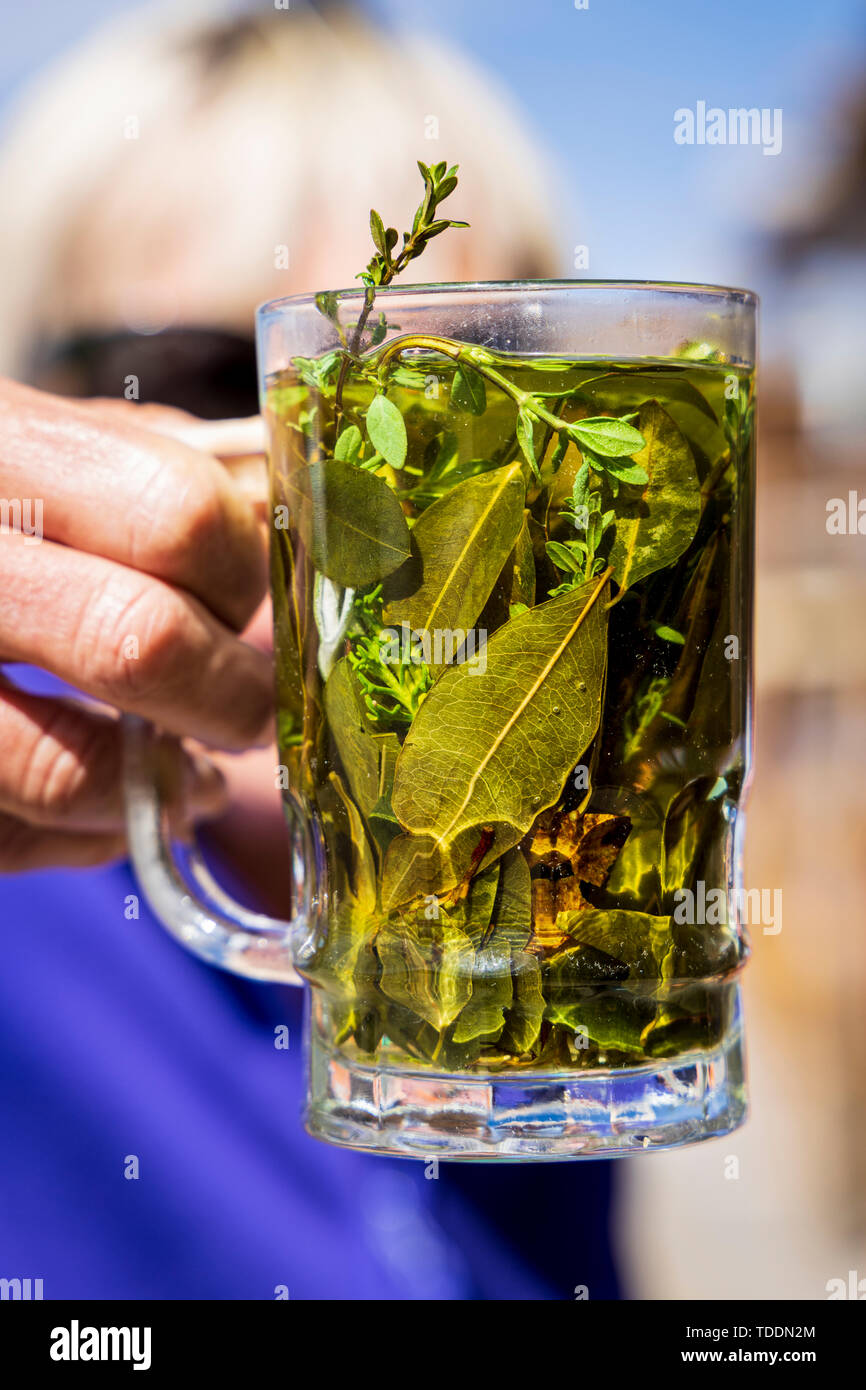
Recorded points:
563,850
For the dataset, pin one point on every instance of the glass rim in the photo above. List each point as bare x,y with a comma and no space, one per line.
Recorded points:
675,288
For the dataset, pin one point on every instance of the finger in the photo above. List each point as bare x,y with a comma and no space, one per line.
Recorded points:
61,766
112,488
240,445
25,847
223,438
133,642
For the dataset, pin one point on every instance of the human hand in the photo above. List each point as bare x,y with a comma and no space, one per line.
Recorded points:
146,563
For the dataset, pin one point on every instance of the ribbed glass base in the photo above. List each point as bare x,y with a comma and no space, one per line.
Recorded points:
526,1116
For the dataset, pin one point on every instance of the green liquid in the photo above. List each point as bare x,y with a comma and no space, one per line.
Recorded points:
599,933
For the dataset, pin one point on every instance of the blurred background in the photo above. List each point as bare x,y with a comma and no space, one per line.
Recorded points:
152,159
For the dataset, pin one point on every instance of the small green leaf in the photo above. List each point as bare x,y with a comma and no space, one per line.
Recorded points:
562,557
377,230
348,444
526,439
625,473
387,430
378,334
351,522
580,489
468,392
668,634
606,436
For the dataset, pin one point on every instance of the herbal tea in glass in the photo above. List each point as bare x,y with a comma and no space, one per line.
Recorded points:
508,591
511,571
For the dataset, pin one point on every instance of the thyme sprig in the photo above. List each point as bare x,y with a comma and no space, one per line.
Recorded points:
440,182
393,692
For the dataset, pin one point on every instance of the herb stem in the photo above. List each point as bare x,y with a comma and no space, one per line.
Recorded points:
476,358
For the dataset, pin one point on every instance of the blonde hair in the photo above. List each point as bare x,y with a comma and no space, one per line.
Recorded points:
168,169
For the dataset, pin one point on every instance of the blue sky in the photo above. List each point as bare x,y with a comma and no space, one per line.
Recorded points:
599,88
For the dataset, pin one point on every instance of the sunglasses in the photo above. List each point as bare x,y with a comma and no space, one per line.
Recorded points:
207,371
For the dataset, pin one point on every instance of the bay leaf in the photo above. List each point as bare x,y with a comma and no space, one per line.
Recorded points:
610,1019
492,748
484,1015
522,568
511,918
655,525
614,390
289,672
637,940
706,438
368,758
474,908
523,1019
384,825
515,585
351,522
459,546
429,973
361,865
694,824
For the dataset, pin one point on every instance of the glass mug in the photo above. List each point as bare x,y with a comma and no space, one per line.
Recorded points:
512,579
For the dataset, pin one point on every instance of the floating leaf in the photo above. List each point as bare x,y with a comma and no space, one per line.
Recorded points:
387,430
654,528
351,522
493,748
459,546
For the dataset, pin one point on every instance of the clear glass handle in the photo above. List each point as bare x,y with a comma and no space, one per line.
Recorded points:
181,889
